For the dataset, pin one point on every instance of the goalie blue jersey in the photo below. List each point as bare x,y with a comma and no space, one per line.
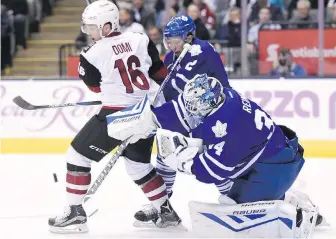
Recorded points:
236,135
201,58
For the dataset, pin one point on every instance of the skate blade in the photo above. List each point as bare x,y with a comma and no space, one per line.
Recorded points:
72,229
139,224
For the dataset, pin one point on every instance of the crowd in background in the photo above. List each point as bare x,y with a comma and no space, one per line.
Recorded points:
216,20
219,21
20,18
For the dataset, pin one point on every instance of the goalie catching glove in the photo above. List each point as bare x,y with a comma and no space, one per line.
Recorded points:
137,122
176,150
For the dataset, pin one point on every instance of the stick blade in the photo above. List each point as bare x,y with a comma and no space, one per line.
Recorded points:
18,100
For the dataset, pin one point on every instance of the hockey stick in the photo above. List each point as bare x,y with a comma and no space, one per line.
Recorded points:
93,189
18,100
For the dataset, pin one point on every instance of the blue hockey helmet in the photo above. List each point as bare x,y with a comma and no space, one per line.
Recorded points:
202,94
179,26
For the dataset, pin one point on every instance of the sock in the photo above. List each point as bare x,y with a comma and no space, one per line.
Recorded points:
77,184
168,175
155,191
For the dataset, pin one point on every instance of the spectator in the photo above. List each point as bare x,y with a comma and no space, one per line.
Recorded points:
279,3
20,12
174,9
6,57
127,23
303,17
263,23
252,45
313,5
142,15
207,16
237,3
159,12
331,3
332,18
186,3
231,32
212,4
275,11
156,36
195,14
285,66
47,7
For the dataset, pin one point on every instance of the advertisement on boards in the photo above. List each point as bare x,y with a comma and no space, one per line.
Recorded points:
306,106
304,46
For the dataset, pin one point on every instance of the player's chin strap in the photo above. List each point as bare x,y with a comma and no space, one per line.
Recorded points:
97,183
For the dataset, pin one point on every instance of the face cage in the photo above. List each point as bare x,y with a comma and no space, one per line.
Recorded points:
196,107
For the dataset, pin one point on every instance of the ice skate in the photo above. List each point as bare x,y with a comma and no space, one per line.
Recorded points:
167,216
146,216
73,220
149,217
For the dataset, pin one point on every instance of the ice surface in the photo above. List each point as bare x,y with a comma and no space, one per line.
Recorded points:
29,196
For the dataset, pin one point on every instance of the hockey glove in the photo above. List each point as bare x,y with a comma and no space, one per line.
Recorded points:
177,151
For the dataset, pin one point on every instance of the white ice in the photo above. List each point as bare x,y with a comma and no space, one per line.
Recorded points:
29,195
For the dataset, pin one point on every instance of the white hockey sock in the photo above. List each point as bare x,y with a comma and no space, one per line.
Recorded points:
168,175
77,185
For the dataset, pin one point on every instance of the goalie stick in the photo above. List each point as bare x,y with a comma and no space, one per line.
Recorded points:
94,187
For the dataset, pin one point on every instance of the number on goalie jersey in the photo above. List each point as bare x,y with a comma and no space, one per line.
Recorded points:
237,134
120,68
201,58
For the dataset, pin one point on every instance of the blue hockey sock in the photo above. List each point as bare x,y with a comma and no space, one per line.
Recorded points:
166,173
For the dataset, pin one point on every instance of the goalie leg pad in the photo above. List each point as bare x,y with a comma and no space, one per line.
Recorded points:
263,219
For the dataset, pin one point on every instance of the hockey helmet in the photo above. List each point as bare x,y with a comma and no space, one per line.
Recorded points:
98,14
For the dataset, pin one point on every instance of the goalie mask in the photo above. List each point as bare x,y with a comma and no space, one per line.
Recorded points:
202,94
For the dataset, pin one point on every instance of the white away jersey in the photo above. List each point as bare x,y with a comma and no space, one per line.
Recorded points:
119,67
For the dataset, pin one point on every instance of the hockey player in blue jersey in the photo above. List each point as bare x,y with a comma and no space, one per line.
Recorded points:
201,58
233,144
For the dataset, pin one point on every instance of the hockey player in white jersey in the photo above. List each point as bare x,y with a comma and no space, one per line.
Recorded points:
235,145
123,68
